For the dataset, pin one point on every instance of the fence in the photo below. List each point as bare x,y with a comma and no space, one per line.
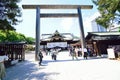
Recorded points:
14,50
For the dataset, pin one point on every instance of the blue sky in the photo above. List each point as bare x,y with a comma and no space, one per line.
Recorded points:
49,25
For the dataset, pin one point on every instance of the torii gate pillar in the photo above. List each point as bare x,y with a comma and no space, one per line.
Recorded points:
38,16
82,37
37,47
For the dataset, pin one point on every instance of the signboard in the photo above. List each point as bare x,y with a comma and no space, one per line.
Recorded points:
111,53
56,44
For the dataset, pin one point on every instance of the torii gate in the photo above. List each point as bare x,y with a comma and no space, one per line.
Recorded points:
39,15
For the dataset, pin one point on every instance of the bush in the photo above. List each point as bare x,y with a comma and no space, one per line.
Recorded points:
30,48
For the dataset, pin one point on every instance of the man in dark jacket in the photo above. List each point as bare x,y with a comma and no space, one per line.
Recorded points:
40,57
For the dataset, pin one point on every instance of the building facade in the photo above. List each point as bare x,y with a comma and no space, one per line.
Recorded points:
61,40
96,27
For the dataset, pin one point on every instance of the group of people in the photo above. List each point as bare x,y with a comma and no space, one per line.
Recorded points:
75,52
54,53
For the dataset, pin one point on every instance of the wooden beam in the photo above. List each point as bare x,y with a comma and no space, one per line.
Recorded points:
56,15
57,6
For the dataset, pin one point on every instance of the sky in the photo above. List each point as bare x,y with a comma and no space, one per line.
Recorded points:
50,25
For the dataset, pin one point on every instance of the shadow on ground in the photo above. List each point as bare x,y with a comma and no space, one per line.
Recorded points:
26,70
46,62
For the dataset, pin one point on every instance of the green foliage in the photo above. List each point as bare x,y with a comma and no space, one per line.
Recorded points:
2,36
13,36
21,37
119,29
30,40
30,48
11,14
109,10
4,25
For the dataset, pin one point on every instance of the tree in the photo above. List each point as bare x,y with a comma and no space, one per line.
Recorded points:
2,36
11,36
30,40
10,13
109,10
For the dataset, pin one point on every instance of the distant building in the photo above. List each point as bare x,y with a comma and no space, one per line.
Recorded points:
96,27
99,42
100,38
57,39
116,27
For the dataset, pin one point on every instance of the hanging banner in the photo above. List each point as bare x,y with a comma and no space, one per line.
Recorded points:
56,44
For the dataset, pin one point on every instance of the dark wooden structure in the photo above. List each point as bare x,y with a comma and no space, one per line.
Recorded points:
14,50
100,41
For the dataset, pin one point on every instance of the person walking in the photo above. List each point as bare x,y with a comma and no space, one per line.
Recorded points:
85,53
54,54
70,51
3,58
40,57
80,52
74,54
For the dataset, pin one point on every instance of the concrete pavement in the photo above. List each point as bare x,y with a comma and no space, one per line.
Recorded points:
64,69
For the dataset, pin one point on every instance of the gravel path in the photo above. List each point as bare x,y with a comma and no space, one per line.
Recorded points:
64,69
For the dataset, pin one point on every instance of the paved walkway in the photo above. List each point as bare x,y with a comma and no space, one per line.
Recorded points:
64,69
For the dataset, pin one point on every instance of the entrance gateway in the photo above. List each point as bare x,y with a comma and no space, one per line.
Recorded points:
44,15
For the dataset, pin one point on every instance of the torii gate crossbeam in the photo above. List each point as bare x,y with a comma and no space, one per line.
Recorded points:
39,15
57,6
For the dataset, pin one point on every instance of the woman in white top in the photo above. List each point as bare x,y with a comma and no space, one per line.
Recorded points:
2,67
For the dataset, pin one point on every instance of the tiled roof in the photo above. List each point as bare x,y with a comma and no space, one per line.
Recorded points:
103,35
63,36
